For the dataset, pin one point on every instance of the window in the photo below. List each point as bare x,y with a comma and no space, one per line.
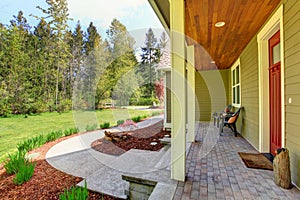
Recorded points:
236,84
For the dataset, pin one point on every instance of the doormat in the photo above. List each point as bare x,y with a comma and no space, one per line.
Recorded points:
269,156
256,160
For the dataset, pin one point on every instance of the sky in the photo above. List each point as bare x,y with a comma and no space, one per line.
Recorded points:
136,15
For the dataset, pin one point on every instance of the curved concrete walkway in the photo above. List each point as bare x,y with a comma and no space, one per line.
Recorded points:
103,172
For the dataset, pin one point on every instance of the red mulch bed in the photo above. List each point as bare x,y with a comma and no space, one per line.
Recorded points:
138,139
46,183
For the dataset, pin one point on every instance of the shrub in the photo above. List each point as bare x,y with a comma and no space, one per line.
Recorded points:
24,174
5,109
136,119
119,122
105,125
75,193
37,107
50,106
144,101
15,161
64,105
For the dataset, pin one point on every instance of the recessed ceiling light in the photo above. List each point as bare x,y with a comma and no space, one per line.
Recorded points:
219,24
212,62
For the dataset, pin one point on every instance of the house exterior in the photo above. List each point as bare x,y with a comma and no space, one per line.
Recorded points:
253,61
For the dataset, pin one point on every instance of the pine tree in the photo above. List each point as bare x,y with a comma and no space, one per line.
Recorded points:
149,56
21,22
5,95
58,16
93,66
93,39
162,46
76,43
19,84
44,61
163,41
119,38
121,52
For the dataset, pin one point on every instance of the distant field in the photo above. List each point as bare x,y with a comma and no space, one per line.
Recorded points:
15,129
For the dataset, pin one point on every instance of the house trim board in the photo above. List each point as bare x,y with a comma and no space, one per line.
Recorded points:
236,63
191,94
271,27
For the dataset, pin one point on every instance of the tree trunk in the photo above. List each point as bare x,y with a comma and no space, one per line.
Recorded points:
281,167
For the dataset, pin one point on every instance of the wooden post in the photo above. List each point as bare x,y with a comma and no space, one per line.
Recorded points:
281,167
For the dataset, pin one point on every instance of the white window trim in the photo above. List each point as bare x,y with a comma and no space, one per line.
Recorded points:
234,66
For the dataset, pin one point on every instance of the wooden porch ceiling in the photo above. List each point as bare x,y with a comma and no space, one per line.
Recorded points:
243,19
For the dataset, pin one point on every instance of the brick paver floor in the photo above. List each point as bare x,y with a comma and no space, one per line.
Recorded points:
221,174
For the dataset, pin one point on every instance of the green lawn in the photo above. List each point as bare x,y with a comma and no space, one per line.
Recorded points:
15,129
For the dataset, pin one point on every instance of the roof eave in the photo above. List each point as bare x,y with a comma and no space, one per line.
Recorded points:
160,16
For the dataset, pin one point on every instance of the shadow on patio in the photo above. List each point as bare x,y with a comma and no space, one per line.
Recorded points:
215,171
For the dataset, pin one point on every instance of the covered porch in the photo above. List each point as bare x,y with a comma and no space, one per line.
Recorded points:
220,55
219,173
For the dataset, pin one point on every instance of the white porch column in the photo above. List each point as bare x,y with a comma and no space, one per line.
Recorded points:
191,100
178,87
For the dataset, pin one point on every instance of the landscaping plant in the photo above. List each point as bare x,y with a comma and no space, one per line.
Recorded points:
15,161
128,125
71,131
91,127
105,125
136,119
35,142
156,113
119,122
31,143
25,172
54,135
75,193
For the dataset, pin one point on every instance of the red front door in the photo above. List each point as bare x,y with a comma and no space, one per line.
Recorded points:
275,92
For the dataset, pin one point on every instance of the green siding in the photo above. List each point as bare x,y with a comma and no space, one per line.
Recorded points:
248,122
203,104
292,83
229,90
211,93
227,81
168,94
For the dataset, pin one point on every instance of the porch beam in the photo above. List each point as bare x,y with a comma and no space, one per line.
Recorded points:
178,87
191,104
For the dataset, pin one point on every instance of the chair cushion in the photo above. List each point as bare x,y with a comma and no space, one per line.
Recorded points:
232,119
